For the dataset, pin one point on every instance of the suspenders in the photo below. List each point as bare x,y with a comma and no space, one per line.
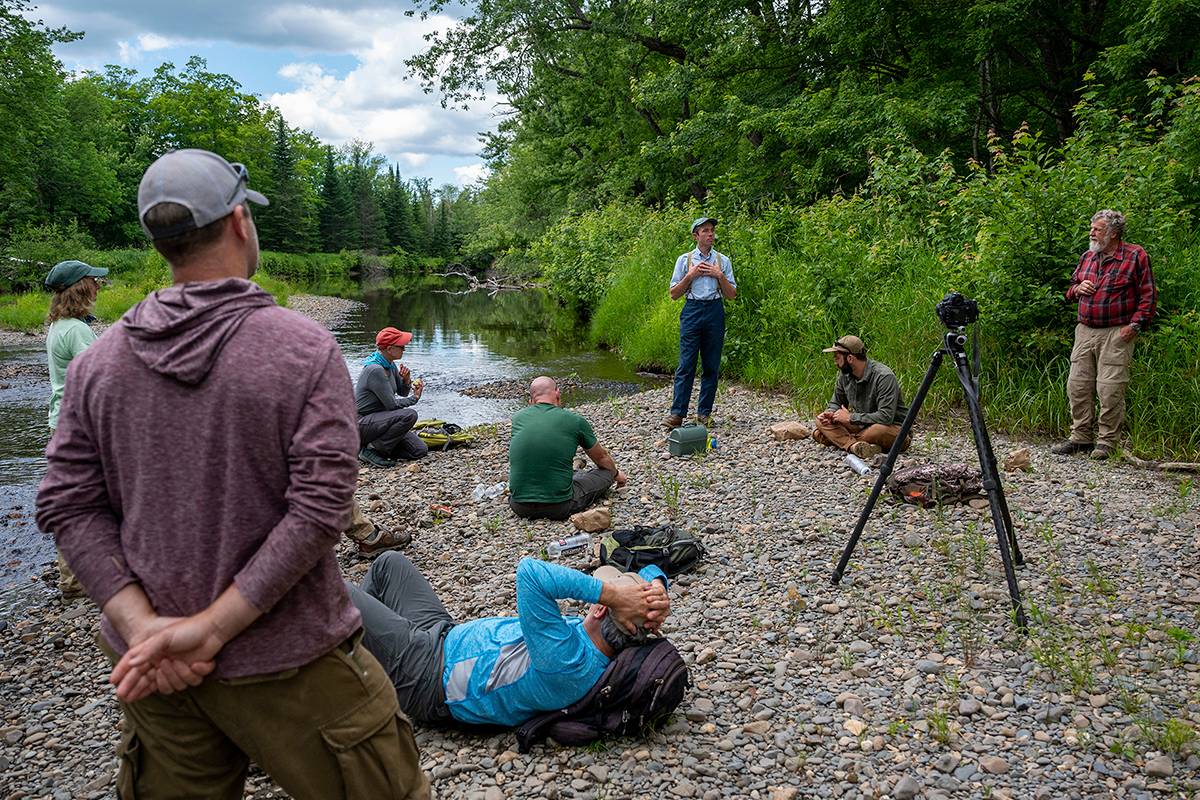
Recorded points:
717,259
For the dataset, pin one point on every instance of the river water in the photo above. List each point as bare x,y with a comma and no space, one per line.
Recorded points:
459,341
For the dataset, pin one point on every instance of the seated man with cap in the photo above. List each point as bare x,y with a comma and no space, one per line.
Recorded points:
504,670
866,410
383,394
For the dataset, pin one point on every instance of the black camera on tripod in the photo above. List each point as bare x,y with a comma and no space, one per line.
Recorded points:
956,311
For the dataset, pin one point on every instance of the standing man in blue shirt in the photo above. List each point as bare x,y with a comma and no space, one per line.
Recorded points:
705,277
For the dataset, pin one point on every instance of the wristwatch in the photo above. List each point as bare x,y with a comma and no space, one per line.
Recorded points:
1137,326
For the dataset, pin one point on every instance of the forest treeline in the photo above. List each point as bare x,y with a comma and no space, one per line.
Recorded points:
864,159
748,104
75,147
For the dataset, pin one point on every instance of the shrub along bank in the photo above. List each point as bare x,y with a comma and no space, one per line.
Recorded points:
875,264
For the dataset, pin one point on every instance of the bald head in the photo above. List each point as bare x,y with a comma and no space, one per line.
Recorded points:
543,390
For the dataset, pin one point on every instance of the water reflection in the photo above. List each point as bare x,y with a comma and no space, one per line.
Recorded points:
465,340
459,341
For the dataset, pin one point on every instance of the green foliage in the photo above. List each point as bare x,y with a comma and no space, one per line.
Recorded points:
874,263
75,148
745,106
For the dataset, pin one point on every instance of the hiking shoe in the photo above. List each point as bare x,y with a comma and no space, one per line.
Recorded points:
1070,447
374,458
865,450
382,539
672,422
1101,452
704,419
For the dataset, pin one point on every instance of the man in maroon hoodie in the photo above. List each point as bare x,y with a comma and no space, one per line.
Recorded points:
201,473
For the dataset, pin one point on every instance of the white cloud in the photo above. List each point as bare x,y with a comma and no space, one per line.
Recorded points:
471,173
149,42
378,101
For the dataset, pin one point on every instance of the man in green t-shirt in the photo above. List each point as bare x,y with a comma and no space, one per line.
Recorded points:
541,454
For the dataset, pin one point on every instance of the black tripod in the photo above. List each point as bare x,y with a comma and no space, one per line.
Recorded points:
953,345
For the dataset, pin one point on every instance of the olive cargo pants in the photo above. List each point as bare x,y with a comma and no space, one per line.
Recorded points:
329,729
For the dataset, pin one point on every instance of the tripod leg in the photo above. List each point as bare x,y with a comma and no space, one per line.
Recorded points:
991,484
888,464
966,377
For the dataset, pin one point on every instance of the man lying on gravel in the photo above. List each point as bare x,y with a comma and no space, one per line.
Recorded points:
384,393
503,670
541,452
866,411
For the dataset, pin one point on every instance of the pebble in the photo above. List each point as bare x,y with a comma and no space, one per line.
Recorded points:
994,765
1160,767
906,788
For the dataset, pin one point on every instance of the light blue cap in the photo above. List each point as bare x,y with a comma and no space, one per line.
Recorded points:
703,220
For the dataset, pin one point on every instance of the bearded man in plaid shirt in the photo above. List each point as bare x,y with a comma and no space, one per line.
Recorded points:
1114,287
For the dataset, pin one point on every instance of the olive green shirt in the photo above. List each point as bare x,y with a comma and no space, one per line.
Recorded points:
873,399
542,452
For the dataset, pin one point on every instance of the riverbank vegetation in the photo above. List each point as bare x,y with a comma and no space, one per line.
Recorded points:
863,160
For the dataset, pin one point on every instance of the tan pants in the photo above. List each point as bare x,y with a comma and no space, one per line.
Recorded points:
1099,366
360,527
844,436
68,584
330,729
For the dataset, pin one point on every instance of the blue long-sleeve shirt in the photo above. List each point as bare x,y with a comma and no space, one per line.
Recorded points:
504,670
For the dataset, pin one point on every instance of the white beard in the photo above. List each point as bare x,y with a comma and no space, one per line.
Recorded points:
1095,245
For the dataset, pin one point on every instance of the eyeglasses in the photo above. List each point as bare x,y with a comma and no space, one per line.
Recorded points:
243,176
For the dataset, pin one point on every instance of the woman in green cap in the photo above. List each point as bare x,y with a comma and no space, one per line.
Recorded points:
75,286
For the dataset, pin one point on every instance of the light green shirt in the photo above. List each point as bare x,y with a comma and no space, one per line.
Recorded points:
66,339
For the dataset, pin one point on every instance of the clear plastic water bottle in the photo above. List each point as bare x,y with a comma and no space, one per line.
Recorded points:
569,546
859,466
482,492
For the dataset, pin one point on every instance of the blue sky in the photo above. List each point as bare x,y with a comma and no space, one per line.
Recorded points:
334,68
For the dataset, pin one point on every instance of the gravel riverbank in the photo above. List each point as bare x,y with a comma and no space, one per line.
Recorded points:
909,680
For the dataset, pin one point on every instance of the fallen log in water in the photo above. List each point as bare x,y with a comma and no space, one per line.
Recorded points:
491,285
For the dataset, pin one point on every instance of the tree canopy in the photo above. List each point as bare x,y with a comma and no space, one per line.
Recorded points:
76,147
754,102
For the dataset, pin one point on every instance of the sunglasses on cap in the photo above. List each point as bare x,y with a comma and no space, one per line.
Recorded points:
243,176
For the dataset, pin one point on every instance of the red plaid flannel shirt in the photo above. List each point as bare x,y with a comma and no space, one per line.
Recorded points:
1125,290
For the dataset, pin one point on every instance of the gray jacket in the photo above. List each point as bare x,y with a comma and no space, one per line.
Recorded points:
380,389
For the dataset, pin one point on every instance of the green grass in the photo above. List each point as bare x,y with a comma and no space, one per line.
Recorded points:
133,274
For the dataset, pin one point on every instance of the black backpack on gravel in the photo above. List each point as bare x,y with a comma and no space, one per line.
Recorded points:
670,549
640,688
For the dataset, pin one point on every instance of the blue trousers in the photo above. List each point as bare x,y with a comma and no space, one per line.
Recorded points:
701,333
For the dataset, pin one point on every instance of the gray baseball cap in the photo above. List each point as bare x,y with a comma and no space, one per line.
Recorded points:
701,220
202,182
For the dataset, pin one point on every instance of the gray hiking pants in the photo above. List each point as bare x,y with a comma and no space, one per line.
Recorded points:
390,434
405,627
587,487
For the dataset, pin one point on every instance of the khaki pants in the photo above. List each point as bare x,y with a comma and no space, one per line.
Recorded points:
1099,367
329,729
844,436
360,527
68,584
